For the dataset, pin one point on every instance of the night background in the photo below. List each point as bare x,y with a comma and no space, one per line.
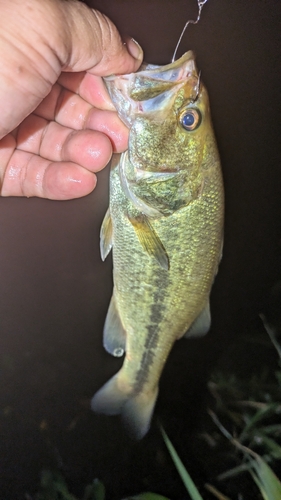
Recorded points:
55,290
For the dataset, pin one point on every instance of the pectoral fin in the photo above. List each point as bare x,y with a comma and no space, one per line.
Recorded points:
106,236
114,335
149,240
201,325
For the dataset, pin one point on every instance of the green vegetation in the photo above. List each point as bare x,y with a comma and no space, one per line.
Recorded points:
54,487
251,410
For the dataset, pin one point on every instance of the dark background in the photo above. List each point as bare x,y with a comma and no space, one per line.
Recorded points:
54,289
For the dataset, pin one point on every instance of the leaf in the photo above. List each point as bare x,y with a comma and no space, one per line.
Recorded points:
61,487
53,487
95,491
189,484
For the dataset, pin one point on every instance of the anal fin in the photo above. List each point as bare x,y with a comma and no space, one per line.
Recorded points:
149,240
201,325
114,335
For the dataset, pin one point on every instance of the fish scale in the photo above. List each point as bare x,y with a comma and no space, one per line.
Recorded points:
164,264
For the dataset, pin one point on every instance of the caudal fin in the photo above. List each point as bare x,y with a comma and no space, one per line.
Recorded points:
136,411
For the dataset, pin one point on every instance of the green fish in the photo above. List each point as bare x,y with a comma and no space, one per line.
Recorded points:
165,227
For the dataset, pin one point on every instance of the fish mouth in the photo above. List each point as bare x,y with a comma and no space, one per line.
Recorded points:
177,70
152,86
174,71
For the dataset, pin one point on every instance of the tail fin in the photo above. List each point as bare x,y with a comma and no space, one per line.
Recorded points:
136,411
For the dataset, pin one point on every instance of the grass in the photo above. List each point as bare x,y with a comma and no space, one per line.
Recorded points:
252,410
54,487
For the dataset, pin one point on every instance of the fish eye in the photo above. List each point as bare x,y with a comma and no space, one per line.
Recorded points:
190,118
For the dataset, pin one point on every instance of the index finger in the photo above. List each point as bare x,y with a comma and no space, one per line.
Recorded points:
90,87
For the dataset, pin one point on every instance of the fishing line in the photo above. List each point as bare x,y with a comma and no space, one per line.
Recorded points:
190,21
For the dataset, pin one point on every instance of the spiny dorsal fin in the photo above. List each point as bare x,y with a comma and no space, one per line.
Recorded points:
106,236
114,335
149,240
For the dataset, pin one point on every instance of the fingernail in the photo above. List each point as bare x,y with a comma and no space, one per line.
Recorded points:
134,49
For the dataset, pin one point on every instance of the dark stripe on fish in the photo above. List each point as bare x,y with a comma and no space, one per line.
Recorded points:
152,339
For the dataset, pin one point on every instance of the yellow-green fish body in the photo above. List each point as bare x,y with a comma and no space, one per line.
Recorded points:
164,224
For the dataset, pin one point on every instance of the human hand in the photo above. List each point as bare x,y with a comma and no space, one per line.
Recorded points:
57,123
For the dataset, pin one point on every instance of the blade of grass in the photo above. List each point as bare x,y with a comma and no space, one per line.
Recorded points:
188,482
271,429
273,447
259,485
234,472
259,415
216,492
267,481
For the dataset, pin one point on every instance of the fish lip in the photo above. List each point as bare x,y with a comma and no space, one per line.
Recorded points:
139,93
153,69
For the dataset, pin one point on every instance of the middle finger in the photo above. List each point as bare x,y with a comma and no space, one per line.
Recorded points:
91,149
65,107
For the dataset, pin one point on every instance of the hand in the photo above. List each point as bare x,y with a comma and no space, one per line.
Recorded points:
57,123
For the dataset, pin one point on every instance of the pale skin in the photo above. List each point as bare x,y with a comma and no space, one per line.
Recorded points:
57,123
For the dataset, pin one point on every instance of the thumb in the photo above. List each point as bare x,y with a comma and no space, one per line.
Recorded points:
92,43
39,40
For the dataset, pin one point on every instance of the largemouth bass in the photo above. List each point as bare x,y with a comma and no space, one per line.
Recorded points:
165,226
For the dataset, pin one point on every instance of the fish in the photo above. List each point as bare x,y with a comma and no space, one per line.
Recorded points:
164,226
